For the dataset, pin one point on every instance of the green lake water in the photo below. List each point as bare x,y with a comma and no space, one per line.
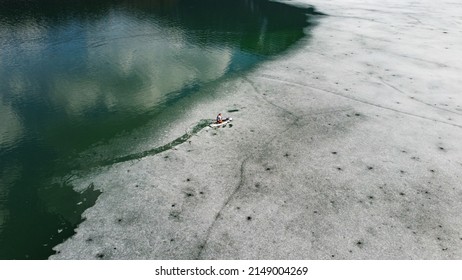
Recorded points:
79,75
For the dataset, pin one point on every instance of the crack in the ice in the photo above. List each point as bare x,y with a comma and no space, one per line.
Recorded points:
202,247
252,84
359,100
418,100
359,18
225,204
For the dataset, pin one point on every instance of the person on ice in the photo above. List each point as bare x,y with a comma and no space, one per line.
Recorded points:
219,118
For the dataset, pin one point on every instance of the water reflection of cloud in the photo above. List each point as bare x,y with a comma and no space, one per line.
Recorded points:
74,96
18,83
129,61
28,38
11,128
129,70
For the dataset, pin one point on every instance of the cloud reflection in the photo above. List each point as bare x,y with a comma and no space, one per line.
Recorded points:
135,74
11,128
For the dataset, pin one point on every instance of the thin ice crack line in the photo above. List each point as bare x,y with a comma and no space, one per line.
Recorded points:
326,112
421,60
252,84
225,204
236,190
359,18
360,101
146,237
417,100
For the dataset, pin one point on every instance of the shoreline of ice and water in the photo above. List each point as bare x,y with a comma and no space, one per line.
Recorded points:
346,148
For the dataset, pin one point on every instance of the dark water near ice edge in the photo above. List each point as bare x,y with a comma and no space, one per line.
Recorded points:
75,75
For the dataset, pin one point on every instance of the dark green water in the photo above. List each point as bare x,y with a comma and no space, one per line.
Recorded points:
75,75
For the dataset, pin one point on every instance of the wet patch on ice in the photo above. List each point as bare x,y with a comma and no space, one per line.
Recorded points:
180,140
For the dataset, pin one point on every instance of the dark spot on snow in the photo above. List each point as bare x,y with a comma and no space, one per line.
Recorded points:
339,168
233,110
370,167
187,180
357,114
175,215
402,194
334,153
359,244
441,148
119,220
249,218
268,169
432,170
89,239
100,255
